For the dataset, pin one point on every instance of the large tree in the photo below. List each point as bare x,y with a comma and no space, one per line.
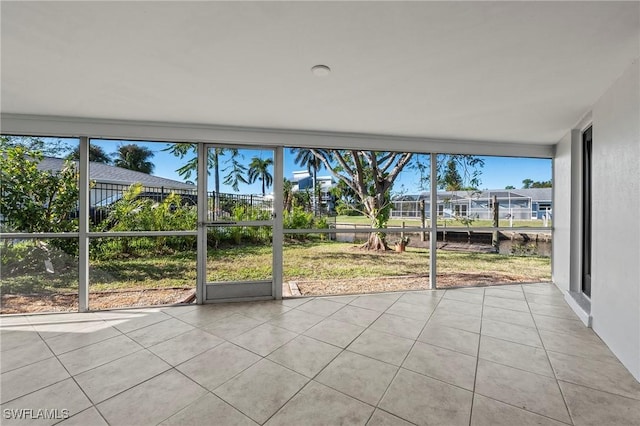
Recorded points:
259,170
451,180
134,157
36,200
96,154
370,176
459,172
48,147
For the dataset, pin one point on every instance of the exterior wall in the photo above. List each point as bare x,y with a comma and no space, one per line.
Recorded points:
615,301
562,214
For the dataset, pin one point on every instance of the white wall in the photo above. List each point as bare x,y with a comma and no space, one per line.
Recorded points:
562,213
615,298
615,279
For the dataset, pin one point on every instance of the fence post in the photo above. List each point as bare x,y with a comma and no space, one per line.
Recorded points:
495,207
423,234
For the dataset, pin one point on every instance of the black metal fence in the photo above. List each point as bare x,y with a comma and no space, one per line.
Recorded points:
224,206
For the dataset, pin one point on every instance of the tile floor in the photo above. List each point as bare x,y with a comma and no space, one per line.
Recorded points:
511,355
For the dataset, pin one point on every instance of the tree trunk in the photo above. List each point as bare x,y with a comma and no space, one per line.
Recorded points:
376,242
495,241
314,203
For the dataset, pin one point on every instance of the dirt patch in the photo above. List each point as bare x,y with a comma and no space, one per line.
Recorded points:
64,302
413,282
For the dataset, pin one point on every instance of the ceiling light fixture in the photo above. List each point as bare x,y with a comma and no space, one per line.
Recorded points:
320,70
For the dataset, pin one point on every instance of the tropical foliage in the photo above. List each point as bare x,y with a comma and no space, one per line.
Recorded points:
96,154
307,159
259,170
530,183
35,200
134,157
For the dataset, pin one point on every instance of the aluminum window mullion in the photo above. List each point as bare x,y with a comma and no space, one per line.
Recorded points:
223,224
83,226
277,234
26,235
142,234
407,230
433,220
201,264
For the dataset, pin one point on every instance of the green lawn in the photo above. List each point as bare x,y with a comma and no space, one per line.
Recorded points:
302,261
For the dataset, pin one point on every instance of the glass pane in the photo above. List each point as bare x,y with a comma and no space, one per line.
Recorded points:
240,207
353,192
239,253
39,184
319,265
142,186
240,184
141,271
474,264
39,275
482,191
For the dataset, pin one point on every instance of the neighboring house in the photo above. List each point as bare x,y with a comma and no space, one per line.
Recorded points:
109,182
521,204
303,181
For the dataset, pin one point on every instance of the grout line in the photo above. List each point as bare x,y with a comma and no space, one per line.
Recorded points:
78,385
523,409
391,414
139,349
342,350
564,399
80,412
411,349
475,374
286,402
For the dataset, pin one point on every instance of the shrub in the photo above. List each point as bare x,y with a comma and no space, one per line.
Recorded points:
133,213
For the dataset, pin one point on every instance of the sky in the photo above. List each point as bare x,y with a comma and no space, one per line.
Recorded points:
497,173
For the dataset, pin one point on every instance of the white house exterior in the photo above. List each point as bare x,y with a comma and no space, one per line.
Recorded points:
519,204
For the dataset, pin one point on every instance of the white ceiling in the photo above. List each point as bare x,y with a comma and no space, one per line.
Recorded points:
502,71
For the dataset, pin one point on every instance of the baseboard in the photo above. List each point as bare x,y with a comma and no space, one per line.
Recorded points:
580,305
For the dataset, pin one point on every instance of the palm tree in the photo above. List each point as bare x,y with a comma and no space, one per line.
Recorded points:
259,170
287,192
306,158
236,170
96,154
134,157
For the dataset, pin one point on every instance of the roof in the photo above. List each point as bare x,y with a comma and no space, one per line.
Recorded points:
536,194
104,173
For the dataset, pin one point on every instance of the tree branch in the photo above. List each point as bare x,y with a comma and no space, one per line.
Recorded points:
388,161
359,174
406,158
350,183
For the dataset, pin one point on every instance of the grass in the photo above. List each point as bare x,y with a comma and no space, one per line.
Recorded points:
302,261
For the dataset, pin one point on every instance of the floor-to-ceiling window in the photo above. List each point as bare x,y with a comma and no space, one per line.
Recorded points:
349,221
39,224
